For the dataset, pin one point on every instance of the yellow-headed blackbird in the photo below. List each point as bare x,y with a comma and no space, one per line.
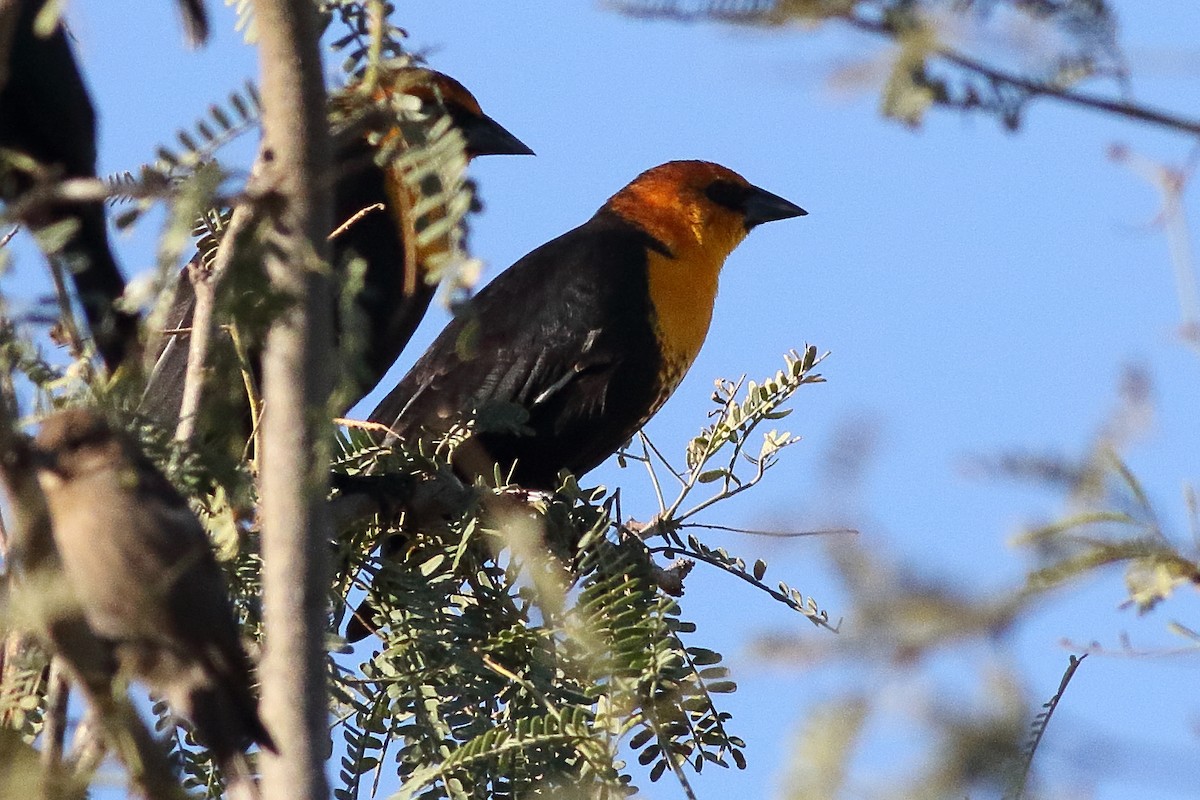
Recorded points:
47,115
589,334
147,585
395,293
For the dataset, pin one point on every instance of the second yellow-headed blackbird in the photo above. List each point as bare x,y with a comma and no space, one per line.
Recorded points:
588,334
147,585
394,294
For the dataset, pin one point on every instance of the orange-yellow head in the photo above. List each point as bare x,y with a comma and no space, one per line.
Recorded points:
697,207
699,212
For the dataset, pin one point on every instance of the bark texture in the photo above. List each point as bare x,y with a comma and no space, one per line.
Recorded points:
296,387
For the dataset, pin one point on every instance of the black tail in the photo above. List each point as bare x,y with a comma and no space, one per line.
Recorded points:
226,721
46,113
362,622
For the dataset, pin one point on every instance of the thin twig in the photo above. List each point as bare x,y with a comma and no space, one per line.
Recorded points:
362,424
673,550
88,747
710,449
1172,183
253,394
205,285
143,756
659,454
772,534
362,212
199,337
375,14
1042,722
54,725
70,327
658,493
50,190
3,538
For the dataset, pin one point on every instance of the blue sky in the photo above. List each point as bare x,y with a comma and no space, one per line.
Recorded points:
980,293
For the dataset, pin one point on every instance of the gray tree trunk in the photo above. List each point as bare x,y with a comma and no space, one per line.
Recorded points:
296,386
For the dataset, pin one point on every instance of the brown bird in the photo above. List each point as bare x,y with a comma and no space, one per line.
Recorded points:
588,335
143,573
395,292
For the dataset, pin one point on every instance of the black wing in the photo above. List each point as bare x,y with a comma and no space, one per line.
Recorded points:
563,334
164,387
394,295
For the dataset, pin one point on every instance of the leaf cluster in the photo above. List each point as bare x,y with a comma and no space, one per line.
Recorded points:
526,642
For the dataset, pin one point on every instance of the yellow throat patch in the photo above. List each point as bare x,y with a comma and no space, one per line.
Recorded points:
700,235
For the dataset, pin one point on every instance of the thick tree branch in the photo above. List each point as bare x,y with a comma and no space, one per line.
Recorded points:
296,387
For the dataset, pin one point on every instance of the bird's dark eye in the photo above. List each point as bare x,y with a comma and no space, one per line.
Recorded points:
727,194
459,115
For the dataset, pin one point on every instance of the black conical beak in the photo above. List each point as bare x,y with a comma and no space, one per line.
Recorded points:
486,137
762,206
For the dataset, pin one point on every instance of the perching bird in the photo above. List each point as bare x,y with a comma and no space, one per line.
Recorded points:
46,115
395,293
588,334
141,568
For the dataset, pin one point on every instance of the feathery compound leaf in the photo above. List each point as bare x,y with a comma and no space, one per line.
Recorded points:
246,21
23,686
210,133
485,654
1038,729
371,39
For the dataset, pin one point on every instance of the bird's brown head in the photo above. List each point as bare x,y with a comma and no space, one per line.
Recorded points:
698,207
484,136
76,441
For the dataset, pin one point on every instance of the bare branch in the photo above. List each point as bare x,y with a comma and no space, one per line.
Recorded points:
205,284
771,14
54,726
1120,108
